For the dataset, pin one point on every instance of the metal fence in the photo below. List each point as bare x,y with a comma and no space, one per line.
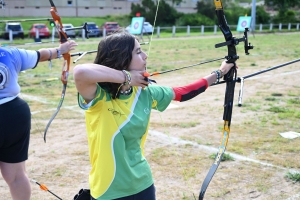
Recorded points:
174,31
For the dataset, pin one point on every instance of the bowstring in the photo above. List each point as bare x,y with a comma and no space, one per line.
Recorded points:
160,116
154,23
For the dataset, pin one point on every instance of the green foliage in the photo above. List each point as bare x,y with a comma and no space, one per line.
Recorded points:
293,176
288,16
282,5
232,11
277,109
166,14
262,17
144,10
294,101
270,99
175,2
205,9
225,157
194,19
276,94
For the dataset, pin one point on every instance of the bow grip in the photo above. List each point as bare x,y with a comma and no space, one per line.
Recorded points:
230,73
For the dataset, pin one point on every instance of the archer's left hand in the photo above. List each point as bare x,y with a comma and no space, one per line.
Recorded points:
67,46
225,67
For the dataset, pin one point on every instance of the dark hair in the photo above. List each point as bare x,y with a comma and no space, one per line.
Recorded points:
115,51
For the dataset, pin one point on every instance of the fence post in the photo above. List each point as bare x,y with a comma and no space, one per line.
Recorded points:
173,31
289,26
188,30
202,29
37,36
271,27
53,33
82,34
11,38
215,29
280,26
260,27
104,32
297,27
158,32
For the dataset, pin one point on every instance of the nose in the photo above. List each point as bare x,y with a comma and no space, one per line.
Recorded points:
145,56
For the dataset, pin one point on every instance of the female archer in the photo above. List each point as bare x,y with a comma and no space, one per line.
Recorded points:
15,116
117,100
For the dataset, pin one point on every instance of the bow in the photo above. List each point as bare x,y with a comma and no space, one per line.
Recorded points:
66,64
230,80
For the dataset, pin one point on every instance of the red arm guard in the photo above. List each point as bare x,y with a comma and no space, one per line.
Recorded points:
190,91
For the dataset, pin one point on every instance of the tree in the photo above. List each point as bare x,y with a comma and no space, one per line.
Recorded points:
175,2
206,9
232,11
262,17
282,5
166,14
194,19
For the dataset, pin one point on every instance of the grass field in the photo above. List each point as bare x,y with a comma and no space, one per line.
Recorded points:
182,139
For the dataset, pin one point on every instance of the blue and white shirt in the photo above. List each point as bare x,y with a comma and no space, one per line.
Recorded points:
12,62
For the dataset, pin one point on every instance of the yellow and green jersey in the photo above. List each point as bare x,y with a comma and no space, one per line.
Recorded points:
117,130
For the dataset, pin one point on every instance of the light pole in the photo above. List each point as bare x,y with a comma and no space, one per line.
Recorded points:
76,8
253,15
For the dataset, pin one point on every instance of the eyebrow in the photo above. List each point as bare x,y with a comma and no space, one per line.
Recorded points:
138,49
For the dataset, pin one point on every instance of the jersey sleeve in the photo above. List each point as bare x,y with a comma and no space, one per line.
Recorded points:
27,59
100,94
161,96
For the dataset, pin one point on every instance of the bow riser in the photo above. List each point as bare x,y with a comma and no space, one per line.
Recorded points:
66,64
65,68
230,40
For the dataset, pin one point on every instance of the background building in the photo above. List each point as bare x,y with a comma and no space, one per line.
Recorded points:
80,8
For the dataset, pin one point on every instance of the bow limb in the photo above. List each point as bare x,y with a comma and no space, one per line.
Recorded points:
58,24
66,64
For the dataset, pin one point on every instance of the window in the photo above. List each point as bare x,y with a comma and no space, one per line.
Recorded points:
40,26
